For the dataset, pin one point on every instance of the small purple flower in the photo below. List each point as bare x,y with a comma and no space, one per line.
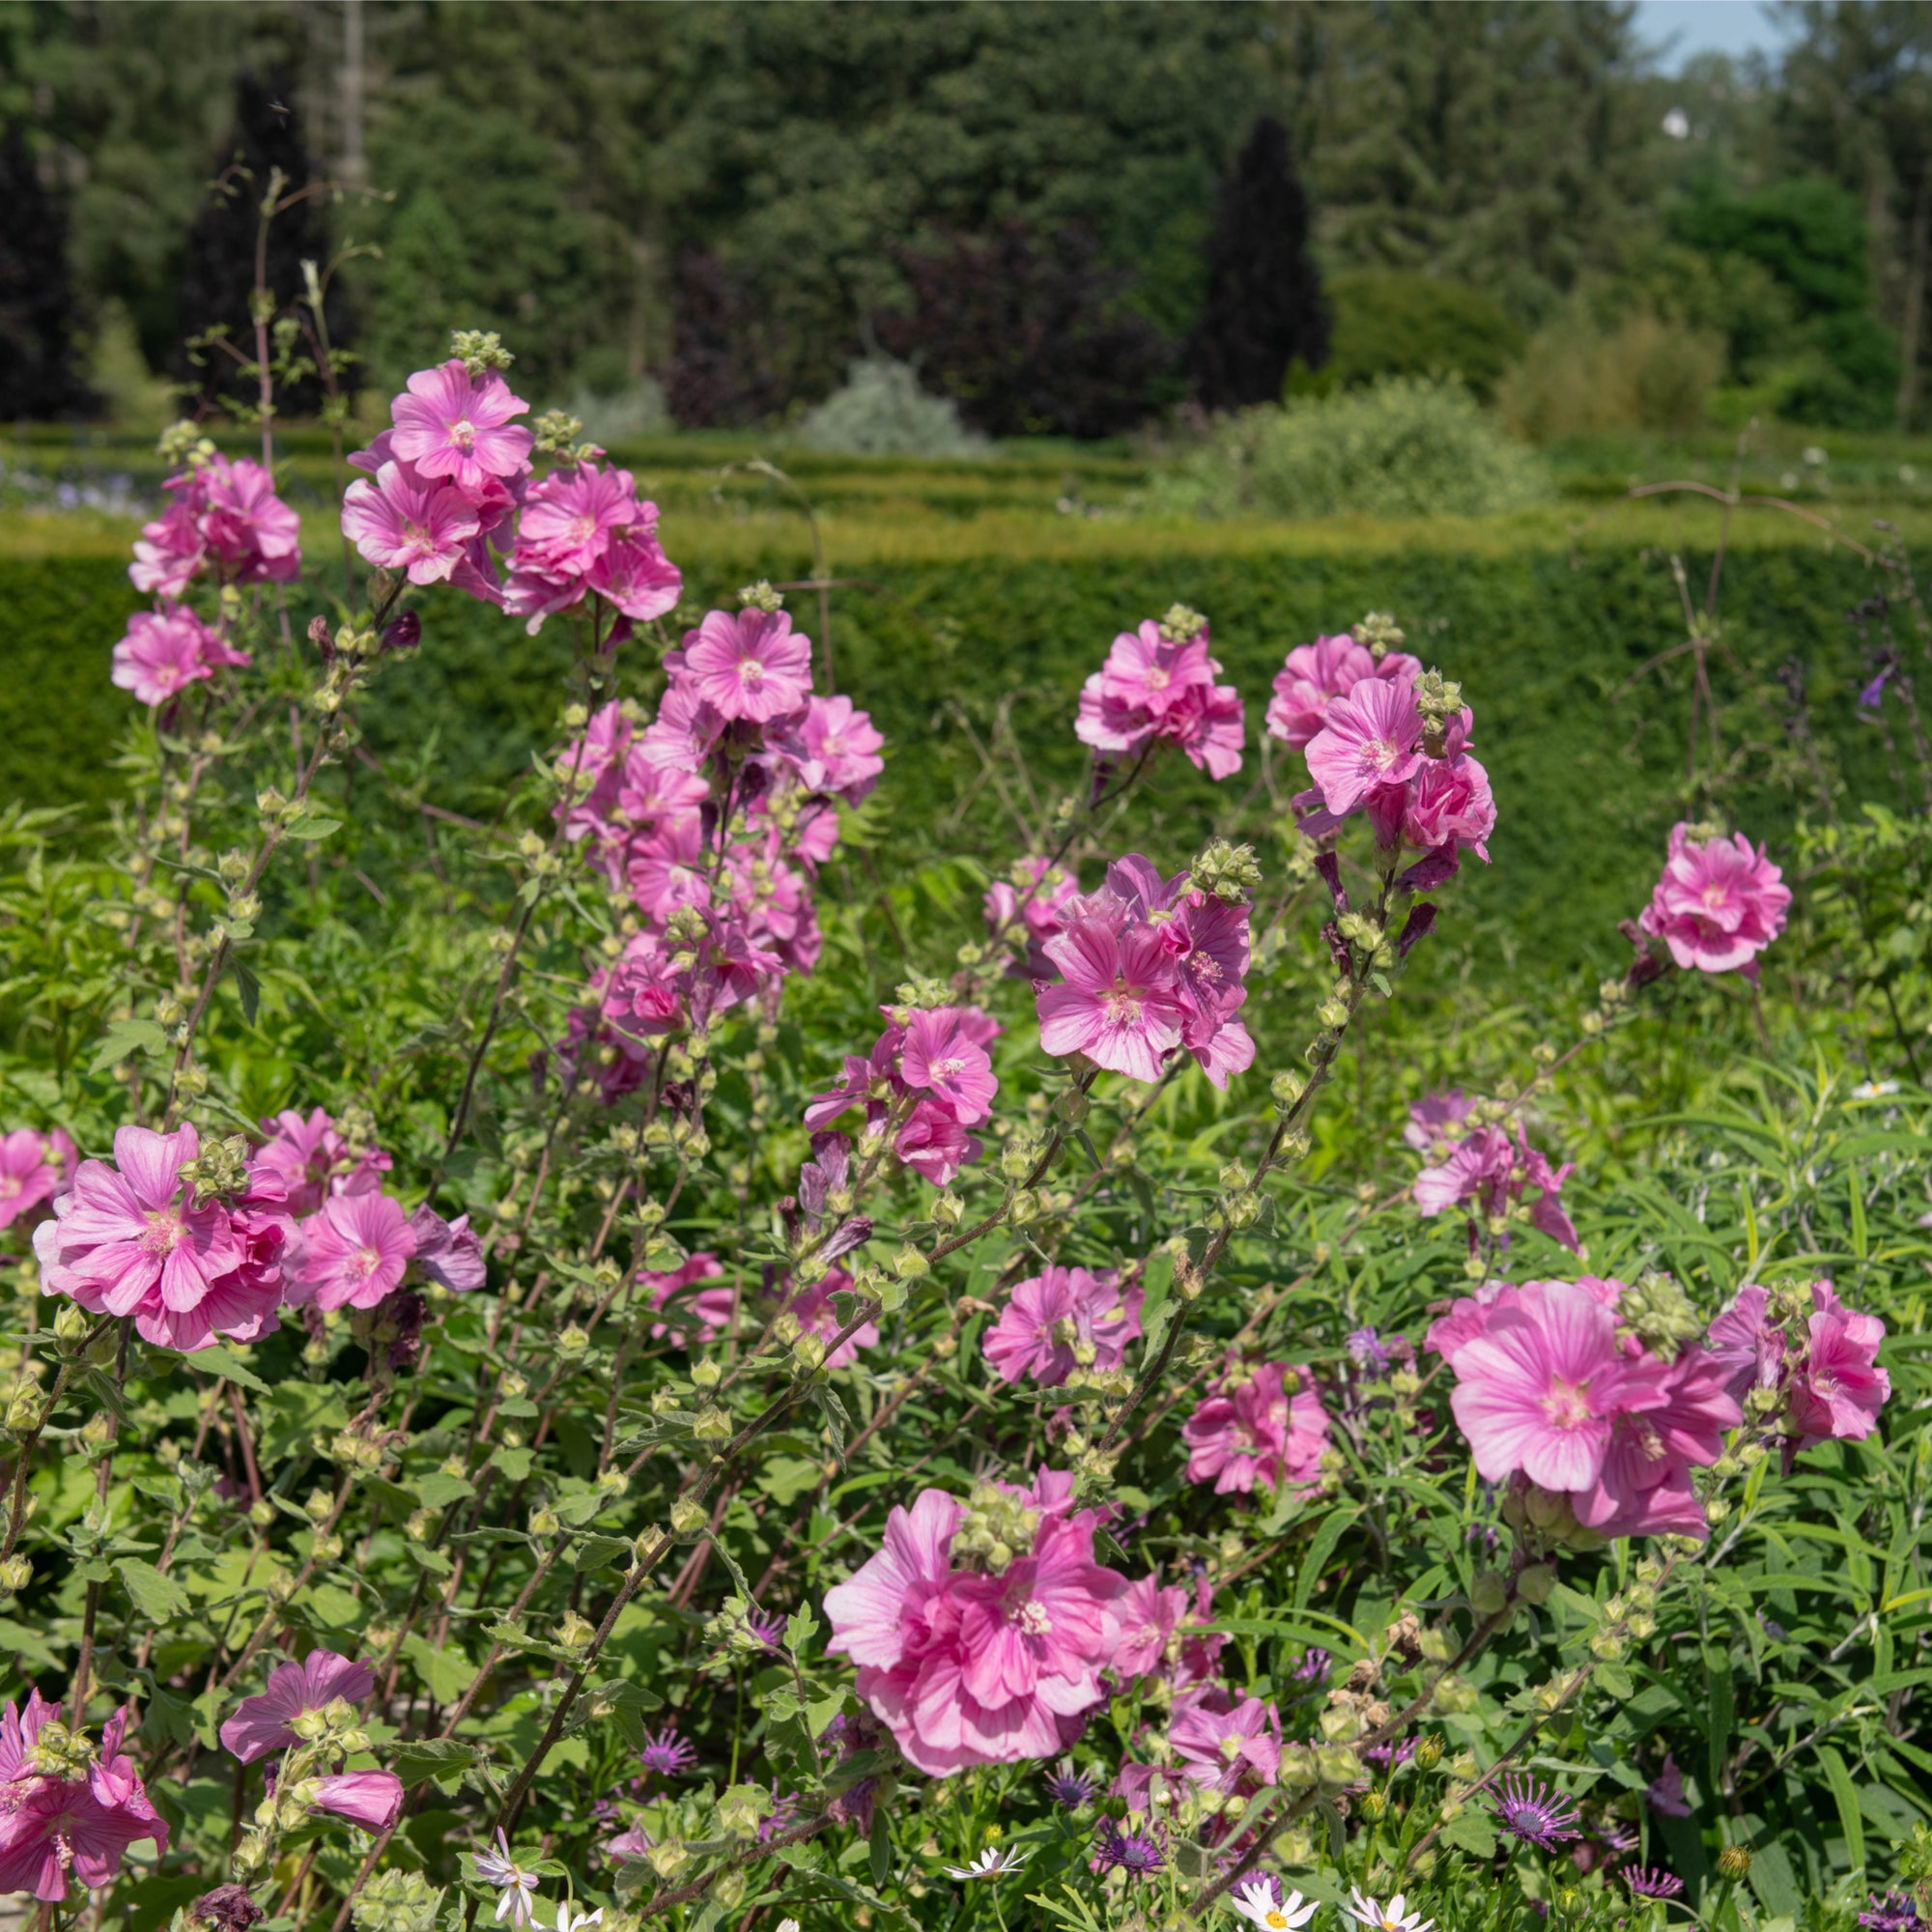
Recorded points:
1532,1812
1138,1854
1890,1912
1366,1351
1314,1665
1385,1757
1068,1789
1665,1794
1651,1882
1617,1838
768,1627
1873,695
667,1755
785,1815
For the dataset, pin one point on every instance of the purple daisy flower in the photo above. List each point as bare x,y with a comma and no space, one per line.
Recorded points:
1138,1854
1366,1351
1533,1813
667,1755
1068,1789
785,1815
1890,1912
1314,1665
1653,1882
768,1628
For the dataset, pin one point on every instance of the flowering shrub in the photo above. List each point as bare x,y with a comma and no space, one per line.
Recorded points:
614,1364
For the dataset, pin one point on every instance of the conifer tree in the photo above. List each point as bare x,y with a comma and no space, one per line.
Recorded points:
38,375
1263,307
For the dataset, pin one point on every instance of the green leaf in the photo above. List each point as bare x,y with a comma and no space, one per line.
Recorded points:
595,1553
515,1463
881,1847
1333,1527
438,1490
308,823
446,1674
1615,1681
157,1597
1718,1695
424,1758
230,1367
126,1037
1158,1280
1847,1798
246,986
1473,1832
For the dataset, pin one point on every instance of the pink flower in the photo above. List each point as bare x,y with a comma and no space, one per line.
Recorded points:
818,1316
355,1251
128,1239
1718,904
1031,904
447,1252
1159,687
312,1160
1837,1387
1447,804
32,1166
1371,739
167,650
940,1059
1251,1430
711,1308
265,1722
1060,1320
1228,1751
169,551
403,522
970,1668
55,1827
1315,674
584,530
934,1142
451,423
1119,1003
1155,1636
754,665
250,533
370,1799
1644,1488
838,749
1541,1388
1743,1339
1494,1173
1434,1120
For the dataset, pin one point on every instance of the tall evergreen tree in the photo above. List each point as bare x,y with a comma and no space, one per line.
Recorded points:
218,285
37,375
1263,307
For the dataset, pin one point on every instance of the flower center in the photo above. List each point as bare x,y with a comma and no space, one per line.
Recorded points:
1122,1004
1277,1921
948,1069
1379,754
463,433
164,1231
1527,1819
751,670
1032,1618
1157,679
366,1261
10,1184
1567,1405
582,529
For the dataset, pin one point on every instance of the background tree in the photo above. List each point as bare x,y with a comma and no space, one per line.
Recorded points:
1264,308
37,321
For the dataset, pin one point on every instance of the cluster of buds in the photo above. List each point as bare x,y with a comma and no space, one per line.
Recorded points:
1378,635
997,1529
1229,873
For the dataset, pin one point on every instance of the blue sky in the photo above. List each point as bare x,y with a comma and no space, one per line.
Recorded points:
1707,26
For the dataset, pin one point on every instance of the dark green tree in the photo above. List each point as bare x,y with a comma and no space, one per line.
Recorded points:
38,376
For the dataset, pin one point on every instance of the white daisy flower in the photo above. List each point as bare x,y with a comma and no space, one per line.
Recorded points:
991,1864
1874,1089
787,1925
1374,1918
1255,1902
575,1921
518,1886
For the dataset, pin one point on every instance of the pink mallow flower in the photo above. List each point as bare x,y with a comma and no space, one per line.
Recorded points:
836,749
314,1161
1314,675
266,1722
968,1667
1254,1429
585,529
1836,1386
1060,1320
1227,1749
167,650
33,1166
252,535
1157,686
941,1060
818,1315
356,1249
752,666
63,1819
370,1799
1030,904
1157,1639
1493,1174
1718,904
710,1309
128,1239
1541,1388
450,423
408,522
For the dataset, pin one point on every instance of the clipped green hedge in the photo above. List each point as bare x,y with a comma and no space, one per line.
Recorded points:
1586,786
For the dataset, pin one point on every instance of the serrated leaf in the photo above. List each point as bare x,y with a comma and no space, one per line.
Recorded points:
594,1552
439,1489
156,1596
1473,1832
126,1037
310,824
247,987
424,1758
224,1362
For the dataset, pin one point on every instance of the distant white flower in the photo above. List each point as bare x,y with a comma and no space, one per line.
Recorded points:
1789,480
991,1864
1815,456
1874,1089
518,1886
1374,1918
1677,125
1255,1902
575,1921
1907,474
787,1925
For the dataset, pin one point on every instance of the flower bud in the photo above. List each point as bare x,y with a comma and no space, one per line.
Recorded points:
70,1323
687,1518
1488,1593
575,1632
1337,1767
909,1265
16,1573
1536,1583
809,1353
1734,1862
712,1425
706,1374
1428,1751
